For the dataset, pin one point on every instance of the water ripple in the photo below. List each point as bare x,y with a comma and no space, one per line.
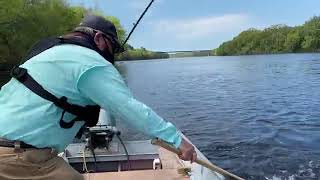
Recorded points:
257,116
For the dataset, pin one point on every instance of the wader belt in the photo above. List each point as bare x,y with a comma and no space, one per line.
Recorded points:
14,144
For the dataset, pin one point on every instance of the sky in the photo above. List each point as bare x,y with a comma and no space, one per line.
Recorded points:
177,25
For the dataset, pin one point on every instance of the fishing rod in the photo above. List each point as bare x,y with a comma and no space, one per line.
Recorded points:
136,24
201,162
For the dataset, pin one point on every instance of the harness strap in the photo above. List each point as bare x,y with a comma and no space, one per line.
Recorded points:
89,114
21,74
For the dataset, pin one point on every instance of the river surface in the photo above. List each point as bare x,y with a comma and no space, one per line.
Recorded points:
256,116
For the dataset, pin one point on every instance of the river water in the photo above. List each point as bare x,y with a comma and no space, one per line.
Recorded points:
256,116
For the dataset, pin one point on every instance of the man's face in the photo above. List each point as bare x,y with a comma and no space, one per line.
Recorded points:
103,43
105,46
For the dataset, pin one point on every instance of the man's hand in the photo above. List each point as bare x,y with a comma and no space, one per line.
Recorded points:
188,152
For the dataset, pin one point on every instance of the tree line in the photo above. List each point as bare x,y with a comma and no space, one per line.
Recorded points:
24,22
275,39
140,54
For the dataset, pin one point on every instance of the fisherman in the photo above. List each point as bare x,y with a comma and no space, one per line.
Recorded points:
52,94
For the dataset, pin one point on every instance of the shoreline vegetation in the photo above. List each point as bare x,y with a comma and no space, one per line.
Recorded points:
277,39
23,23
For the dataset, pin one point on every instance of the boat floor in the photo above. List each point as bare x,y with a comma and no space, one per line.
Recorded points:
170,166
163,174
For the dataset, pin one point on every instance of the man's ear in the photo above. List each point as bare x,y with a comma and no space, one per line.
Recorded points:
97,38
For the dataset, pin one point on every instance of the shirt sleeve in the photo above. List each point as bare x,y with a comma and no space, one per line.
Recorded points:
105,86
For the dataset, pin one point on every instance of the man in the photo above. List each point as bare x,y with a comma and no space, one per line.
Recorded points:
40,106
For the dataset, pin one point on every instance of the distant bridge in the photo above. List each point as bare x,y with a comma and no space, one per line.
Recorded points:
175,52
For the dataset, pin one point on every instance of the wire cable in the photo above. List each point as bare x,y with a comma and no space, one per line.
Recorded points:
94,157
127,154
84,166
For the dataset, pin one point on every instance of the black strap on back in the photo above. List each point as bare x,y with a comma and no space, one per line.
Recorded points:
39,47
89,114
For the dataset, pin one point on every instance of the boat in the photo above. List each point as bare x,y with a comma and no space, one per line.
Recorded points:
129,160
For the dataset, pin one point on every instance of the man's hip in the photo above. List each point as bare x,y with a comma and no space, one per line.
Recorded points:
32,163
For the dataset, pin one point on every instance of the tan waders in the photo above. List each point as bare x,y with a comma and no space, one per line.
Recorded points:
34,164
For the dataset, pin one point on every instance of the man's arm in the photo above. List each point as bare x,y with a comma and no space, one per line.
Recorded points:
105,86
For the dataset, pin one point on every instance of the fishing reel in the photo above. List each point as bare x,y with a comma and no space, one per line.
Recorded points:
100,136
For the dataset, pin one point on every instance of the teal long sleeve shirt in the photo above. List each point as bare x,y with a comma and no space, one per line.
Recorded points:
85,78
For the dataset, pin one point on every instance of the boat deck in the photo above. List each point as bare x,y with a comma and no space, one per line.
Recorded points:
170,166
163,174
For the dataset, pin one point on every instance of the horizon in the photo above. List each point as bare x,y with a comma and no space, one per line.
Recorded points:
200,26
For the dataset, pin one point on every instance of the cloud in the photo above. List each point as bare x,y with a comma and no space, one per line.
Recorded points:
187,29
205,32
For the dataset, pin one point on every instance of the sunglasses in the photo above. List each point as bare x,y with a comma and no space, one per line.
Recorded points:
117,48
115,44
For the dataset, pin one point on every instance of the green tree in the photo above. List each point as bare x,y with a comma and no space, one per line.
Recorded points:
24,22
293,40
275,39
311,40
